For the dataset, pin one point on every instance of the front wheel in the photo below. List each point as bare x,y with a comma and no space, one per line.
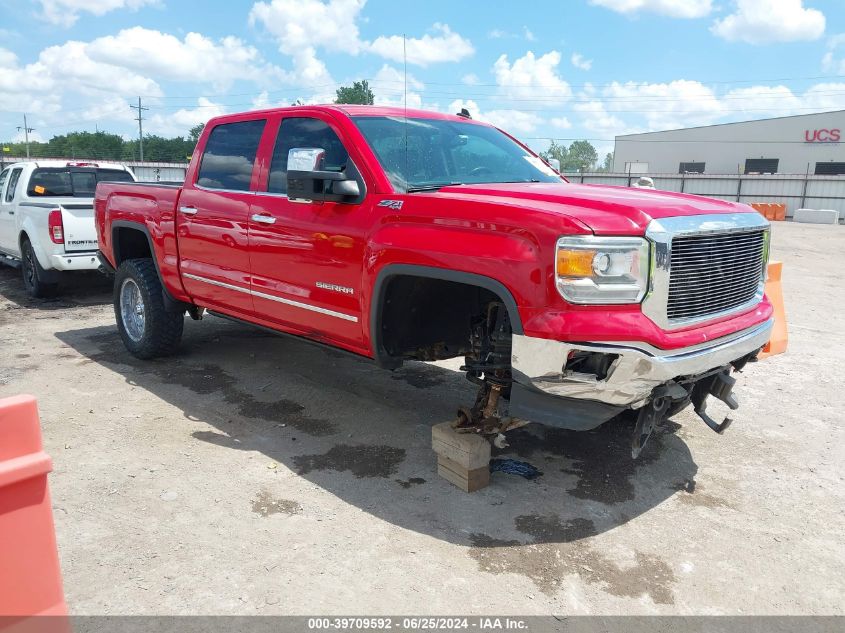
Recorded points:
148,330
34,274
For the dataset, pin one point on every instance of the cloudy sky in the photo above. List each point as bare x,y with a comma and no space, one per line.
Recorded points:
564,69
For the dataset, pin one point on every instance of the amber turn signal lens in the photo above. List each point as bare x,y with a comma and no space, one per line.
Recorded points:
575,263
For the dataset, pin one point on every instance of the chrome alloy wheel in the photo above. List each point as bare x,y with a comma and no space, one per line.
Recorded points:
132,311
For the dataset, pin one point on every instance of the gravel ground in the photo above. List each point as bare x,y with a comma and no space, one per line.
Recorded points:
254,474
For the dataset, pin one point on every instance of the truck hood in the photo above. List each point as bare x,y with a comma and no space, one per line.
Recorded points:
604,209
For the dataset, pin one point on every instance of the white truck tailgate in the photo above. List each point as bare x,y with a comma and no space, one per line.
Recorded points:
80,232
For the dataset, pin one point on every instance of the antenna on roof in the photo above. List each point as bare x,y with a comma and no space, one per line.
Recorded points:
405,63
464,113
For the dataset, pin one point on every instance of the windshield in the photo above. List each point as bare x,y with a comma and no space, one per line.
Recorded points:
441,152
71,182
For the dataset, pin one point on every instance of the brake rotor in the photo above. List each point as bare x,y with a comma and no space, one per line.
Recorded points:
650,415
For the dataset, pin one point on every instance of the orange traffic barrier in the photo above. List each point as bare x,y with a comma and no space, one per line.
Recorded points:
760,207
774,291
30,578
772,211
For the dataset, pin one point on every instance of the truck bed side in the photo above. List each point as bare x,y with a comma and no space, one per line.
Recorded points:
148,208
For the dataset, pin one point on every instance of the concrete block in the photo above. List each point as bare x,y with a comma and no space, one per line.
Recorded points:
816,216
466,480
469,450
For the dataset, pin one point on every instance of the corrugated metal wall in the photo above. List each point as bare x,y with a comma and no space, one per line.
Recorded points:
795,191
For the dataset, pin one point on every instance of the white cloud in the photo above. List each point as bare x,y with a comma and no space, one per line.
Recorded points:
677,103
596,118
471,79
672,8
630,108
531,77
196,58
514,122
178,123
389,88
580,62
831,63
560,122
444,46
72,68
500,34
765,21
310,24
66,12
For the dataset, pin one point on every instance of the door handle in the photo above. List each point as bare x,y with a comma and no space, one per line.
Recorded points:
188,210
264,219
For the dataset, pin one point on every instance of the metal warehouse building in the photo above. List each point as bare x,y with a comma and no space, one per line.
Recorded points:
804,144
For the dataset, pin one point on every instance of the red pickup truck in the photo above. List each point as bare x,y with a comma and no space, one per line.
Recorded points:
397,235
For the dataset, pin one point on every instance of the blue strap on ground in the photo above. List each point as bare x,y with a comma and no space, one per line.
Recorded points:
514,467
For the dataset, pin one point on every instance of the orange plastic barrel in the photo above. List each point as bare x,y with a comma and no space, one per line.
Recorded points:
30,578
774,291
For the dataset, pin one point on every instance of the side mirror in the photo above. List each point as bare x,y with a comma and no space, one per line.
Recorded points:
555,164
307,181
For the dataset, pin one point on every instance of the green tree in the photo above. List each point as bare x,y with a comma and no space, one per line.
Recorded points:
582,156
359,92
556,151
608,162
194,132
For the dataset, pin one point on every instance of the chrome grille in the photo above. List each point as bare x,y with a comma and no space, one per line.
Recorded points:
711,274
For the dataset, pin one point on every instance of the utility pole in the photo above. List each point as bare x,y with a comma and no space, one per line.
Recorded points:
140,121
26,130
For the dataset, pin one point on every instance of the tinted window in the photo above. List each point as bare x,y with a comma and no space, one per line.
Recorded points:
230,155
822,169
691,168
434,152
761,166
3,176
13,183
304,132
71,182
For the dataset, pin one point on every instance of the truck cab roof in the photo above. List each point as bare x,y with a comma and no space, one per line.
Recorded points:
348,110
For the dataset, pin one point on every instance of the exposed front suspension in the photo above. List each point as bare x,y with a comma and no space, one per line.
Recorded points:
488,365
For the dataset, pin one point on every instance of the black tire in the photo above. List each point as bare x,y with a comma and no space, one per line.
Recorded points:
149,330
34,274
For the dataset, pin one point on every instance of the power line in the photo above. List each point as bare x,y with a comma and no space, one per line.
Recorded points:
140,121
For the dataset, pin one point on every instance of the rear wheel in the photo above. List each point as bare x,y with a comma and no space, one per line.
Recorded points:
34,274
148,330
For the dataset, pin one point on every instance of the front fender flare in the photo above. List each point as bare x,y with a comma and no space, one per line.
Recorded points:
412,270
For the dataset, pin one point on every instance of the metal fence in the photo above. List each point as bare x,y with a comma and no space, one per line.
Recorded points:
796,191
146,171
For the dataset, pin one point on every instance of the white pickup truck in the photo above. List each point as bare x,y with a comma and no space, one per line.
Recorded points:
47,218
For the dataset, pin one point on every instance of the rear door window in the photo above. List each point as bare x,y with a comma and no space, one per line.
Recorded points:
229,155
13,184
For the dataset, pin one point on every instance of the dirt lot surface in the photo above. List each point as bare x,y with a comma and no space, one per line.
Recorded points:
254,474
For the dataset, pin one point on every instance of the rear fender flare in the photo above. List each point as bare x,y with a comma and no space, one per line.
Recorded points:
170,301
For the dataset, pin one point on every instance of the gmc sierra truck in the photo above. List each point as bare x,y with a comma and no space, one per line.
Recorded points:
399,235
47,218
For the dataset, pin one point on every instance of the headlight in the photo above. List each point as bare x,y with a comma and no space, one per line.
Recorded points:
598,270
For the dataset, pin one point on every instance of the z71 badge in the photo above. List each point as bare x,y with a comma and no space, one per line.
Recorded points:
391,204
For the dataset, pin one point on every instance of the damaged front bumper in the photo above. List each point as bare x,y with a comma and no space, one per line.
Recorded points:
633,371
